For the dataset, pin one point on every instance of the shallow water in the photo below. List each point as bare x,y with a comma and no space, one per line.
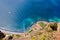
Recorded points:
19,15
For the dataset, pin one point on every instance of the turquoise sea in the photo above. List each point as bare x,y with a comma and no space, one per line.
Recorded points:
19,15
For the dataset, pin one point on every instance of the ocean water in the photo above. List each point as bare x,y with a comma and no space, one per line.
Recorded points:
20,15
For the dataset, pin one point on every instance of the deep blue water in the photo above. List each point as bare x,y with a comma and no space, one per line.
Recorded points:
19,15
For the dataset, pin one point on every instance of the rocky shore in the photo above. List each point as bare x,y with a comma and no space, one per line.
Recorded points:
41,30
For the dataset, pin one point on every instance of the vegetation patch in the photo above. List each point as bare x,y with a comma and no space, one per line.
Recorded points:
42,24
30,31
18,36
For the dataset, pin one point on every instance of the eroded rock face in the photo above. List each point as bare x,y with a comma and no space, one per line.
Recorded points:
10,38
2,35
53,26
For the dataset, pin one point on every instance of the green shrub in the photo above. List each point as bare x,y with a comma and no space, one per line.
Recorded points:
30,31
42,24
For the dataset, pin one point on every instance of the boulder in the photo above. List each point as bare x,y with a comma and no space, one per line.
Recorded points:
53,26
